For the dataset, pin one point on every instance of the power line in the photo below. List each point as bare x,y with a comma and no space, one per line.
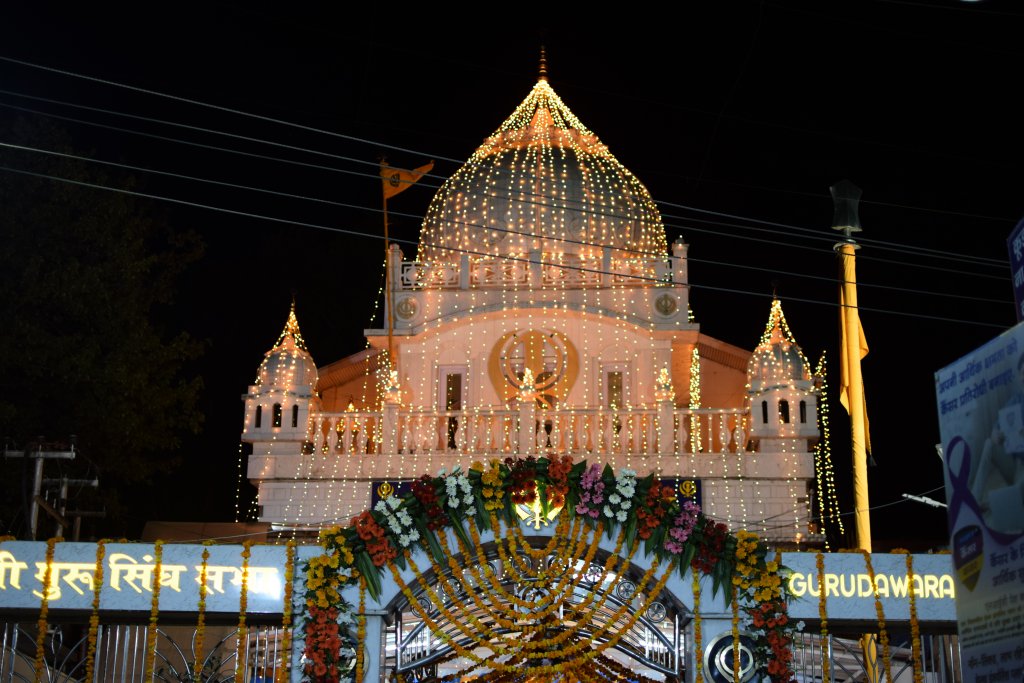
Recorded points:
935,253
587,211
356,233
468,224
817,234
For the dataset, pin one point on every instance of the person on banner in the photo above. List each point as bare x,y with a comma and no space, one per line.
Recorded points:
997,481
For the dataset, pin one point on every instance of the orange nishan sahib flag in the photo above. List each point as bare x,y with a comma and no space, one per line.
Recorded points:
398,179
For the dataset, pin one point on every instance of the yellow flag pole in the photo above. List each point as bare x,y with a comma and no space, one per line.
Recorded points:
855,391
846,196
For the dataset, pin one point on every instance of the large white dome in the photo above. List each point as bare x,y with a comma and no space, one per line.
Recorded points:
543,182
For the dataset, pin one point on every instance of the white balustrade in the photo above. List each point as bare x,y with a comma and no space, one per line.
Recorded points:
580,432
562,270
348,432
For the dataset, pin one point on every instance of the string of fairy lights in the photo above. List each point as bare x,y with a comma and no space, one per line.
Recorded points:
541,132
828,499
772,227
881,244
422,382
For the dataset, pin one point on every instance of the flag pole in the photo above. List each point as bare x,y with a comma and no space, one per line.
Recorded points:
846,196
394,181
388,294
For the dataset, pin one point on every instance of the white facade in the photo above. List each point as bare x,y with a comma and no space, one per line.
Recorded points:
561,327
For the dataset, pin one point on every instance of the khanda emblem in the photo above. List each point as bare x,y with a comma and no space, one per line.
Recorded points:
539,363
385,490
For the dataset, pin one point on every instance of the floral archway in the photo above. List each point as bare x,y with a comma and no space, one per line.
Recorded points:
435,529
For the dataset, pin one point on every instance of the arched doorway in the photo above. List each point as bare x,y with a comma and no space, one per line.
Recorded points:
597,601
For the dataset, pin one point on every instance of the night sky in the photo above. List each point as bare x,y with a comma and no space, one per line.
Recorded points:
737,116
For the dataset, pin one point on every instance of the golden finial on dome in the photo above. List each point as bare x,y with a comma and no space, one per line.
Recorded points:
291,330
543,65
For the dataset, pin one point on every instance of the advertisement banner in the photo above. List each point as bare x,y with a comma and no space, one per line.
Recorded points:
980,400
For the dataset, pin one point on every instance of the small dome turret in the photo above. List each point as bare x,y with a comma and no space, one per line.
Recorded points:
288,366
778,359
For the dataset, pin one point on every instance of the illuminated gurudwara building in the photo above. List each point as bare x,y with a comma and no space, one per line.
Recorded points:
545,313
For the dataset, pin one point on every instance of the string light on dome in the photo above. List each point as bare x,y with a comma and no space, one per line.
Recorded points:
695,426
500,276
828,499
238,486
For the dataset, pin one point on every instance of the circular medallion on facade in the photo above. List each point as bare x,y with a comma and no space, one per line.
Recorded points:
666,305
720,665
625,589
449,587
546,356
656,612
594,572
426,604
406,308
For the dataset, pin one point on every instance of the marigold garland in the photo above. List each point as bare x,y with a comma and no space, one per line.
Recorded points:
361,631
44,607
154,610
569,651
883,633
735,636
826,674
597,502
281,674
698,646
915,626
241,657
200,637
94,617
565,584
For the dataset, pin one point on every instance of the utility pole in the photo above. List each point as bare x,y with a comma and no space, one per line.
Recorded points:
40,452
60,514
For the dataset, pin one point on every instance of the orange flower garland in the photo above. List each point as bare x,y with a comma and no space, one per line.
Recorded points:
154,611
736,562
197,665
698,647
361,631
826,674
281,674
94,618
915,626
735,636
44,605
883,634
243,607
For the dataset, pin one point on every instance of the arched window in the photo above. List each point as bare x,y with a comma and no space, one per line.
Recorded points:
295,414
259,417
764,412
784,411
277,414
803,411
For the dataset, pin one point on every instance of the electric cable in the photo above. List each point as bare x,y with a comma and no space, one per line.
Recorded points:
471,252
474,225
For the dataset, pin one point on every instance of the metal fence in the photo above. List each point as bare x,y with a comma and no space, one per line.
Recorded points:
123,654
940,660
